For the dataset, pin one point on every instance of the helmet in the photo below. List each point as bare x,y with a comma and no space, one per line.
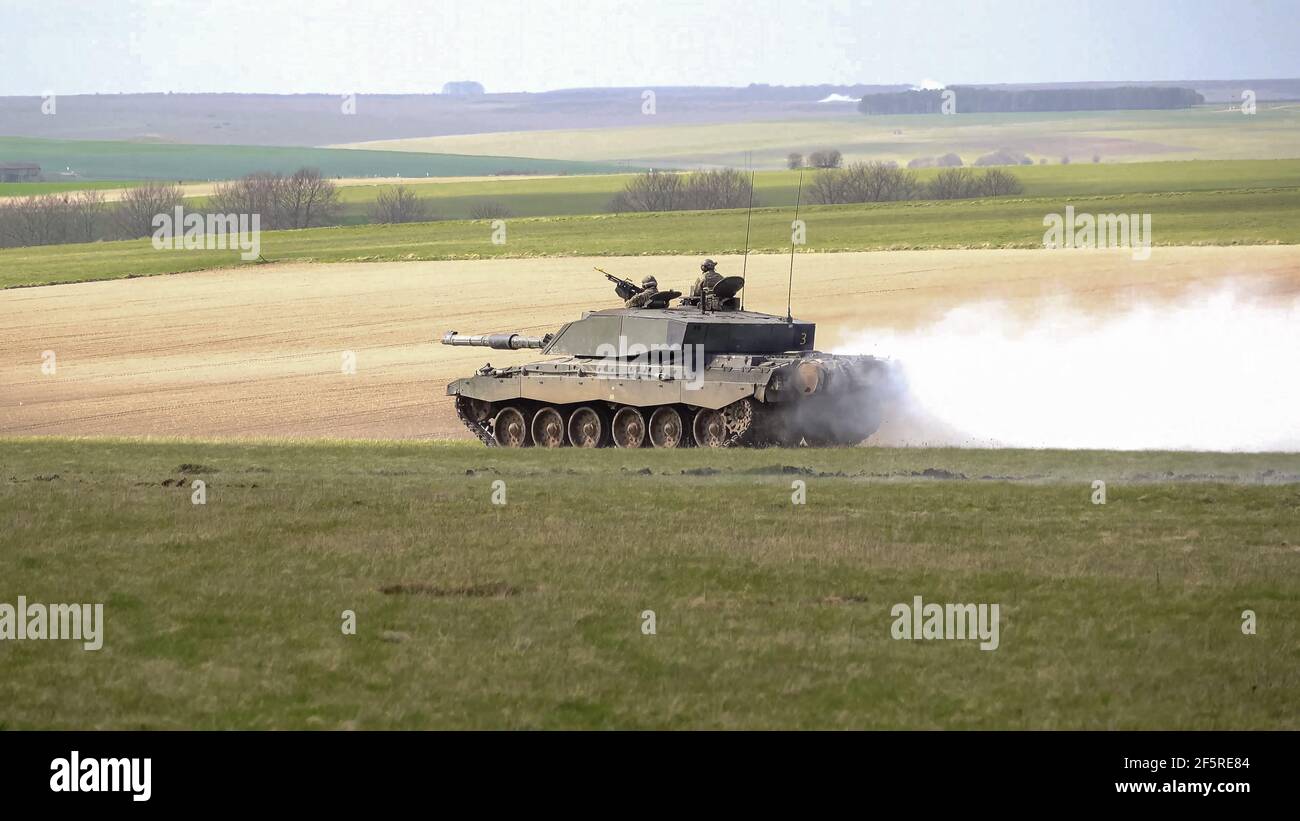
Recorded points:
648,281
708,265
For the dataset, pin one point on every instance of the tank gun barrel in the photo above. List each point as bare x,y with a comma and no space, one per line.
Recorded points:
502,342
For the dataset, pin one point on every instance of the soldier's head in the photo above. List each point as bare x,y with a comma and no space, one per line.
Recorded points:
649,282
709,265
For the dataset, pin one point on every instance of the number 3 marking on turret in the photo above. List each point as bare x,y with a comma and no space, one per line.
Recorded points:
803,338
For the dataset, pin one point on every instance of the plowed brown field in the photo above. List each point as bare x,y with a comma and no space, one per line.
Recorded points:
260,352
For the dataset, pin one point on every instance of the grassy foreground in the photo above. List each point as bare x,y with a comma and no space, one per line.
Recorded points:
1197,218
768,614
35,189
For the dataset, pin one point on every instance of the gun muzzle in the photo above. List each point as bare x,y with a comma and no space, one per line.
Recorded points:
502,342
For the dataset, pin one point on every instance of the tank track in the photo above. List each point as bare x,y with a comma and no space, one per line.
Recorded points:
740,420
479,429
739,416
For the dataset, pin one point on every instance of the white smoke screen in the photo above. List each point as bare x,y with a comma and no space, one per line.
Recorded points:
1217,371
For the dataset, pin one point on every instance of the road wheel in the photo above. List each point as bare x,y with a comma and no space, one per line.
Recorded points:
509,428
628,428
585,428
709,428
548,428
666,427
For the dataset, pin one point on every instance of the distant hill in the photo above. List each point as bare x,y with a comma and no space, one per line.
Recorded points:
318,119
1214,91
979,100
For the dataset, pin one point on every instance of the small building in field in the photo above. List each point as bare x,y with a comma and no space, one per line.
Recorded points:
19,172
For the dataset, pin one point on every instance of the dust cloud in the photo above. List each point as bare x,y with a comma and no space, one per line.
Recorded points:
1215,370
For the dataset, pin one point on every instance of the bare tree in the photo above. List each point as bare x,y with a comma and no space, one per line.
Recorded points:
52,219
794,161
999,183
400,204
489,210
952,184
828,188
652,191
826,158
708,190
697,191
1004,156
864,182
878,182
305,199
36,221
6,223
137,208
85,217
260,193
619,203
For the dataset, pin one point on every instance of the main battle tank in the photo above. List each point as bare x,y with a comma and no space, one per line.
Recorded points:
702,373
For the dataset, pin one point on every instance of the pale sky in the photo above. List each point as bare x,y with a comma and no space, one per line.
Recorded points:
404,46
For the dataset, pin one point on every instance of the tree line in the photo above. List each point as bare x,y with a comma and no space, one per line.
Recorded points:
306,200
825,158
303,199
856,182
697,191
973,100
886,182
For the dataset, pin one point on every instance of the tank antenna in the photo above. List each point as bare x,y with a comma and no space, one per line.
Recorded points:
798,199
744,265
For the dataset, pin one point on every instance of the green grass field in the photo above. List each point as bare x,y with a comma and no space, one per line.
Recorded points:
1212,218
528,615
30,189
573,195
169,161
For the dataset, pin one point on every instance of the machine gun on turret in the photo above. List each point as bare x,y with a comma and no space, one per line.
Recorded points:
624,287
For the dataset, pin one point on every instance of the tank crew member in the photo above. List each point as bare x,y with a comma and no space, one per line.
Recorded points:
649,287
709,278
